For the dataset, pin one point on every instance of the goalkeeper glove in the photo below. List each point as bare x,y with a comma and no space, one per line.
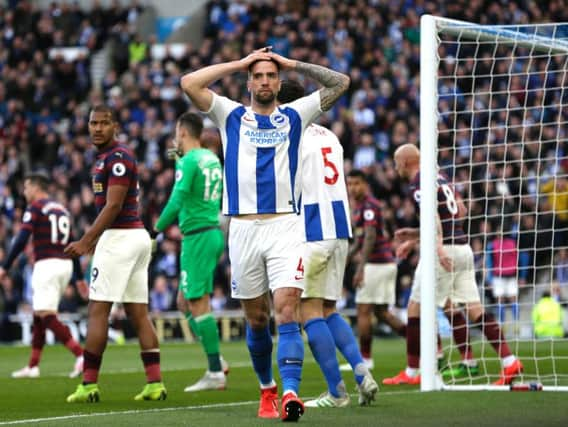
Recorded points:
173,154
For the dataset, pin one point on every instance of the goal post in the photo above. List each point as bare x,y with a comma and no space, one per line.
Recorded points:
428,201
494,120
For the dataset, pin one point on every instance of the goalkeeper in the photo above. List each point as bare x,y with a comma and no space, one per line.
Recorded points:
195,201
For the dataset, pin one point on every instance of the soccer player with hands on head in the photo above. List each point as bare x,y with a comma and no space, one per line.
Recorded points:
261,145
122,252
49,222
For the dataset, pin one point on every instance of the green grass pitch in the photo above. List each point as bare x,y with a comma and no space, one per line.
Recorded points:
41,401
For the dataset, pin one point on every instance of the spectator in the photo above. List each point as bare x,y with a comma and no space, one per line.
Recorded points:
548,318
502,267
161,296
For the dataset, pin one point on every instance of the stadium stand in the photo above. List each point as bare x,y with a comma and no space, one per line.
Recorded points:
45,92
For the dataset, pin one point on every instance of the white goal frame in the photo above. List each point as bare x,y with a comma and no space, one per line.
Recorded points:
430,29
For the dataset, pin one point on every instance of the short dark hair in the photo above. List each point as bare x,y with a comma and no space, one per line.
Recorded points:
357,173
101,108
192,123
40,179
252,64
290,90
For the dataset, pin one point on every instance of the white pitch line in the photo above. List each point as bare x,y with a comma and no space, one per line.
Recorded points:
141,369
129,412
145,411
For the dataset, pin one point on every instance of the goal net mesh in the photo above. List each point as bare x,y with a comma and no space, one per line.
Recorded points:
502,141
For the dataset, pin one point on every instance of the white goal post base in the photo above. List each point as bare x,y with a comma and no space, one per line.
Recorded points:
489,387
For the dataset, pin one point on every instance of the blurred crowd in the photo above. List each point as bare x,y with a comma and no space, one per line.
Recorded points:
45,99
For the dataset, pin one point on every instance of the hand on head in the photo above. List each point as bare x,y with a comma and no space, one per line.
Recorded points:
266,54
257,55
283,62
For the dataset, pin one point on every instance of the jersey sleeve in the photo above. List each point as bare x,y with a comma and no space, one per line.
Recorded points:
21,239
370,215
28,219
308,107
221,107
185,169
120,168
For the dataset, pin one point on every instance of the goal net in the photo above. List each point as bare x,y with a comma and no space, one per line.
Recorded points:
494,119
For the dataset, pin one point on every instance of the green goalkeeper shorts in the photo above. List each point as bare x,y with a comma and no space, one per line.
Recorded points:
200,253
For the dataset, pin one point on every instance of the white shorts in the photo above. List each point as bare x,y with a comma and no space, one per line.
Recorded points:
464,287
119,271
324,263
379,284
265,254
504,287
50,277
459,285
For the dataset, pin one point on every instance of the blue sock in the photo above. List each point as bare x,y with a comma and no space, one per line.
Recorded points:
259,343
290,355
515,311
345,342
501,313
323,348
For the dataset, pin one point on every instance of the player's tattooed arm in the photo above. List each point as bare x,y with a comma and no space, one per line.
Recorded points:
334,83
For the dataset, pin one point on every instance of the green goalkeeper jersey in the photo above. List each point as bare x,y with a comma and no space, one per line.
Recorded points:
196,196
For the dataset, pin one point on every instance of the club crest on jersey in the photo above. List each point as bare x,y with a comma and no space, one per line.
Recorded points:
235,287
278,120
369,215
27,217
417,196
179,175
248,118
118,169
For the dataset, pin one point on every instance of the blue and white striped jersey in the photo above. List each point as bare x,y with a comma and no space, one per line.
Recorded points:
262,154
325,206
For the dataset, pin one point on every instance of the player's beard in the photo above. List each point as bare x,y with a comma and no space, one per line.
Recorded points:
264,97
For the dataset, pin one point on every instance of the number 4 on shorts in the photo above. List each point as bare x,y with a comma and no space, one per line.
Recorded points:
299,270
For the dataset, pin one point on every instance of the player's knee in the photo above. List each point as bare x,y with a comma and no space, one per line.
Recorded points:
286,314
198,306
257,319
381,311
286,304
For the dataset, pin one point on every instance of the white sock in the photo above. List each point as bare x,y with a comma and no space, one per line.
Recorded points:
412,372
269,385
469,362
508,361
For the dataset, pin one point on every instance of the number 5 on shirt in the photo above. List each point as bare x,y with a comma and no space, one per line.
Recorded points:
329,164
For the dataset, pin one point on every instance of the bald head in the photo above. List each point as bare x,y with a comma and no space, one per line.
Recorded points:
407,161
